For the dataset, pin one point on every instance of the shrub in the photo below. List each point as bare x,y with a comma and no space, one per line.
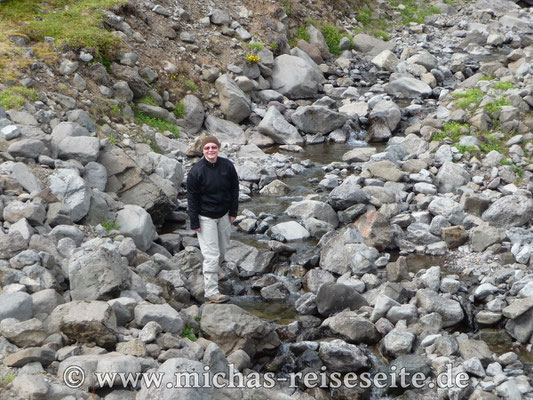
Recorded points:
191,85
110,226
179,110
468,97
256,46
496,105
157,123
189,333
503,85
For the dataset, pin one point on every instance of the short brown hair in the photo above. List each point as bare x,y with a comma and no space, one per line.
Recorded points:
210,139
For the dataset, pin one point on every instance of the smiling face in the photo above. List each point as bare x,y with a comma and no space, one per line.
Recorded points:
211,152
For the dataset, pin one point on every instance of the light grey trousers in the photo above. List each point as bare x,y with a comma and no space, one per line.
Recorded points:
214,239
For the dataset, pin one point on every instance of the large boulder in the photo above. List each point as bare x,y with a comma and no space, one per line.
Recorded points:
389,112
347,194
408,88
225,131
233,328
340,356
509,211
451,176
234,103
72,188
375,228
318,119
275,125
85,322
370,45
16,305
82,148
335,297
313,209
97,274
135,222
290,231
250,258
450,310
294,77
166,316
194,114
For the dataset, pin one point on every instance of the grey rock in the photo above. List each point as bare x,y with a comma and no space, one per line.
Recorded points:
389,112
82,118
450,310
234,103
514,210
315,209
166,316
398,342
15,305
95,175
340,356
318,119
354,328
72,188
135,222
451,176
408,88
447,208
23,175
82,148
194,114
334,297
274,125
16,210
97,275
28,333
290,231
29,148
294,77
234,328
225,131
482,237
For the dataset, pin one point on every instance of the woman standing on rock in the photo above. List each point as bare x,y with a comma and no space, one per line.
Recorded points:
213,200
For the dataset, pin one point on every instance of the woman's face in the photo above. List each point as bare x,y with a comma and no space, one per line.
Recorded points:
211,152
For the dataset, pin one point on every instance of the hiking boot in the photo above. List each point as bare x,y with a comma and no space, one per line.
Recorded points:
222,277
218,298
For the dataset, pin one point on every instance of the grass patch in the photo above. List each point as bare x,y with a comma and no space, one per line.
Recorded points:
256,46
189,333
463,149
413,11
110,226
487,78
332,35
373,26
76,24
503,85
16,96
489,142
148,100
157,123
496,105
452,130
179,110
467,98
191,85
155,147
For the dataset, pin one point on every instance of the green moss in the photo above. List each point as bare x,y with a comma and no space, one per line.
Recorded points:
489,142
503,85
463,149
189,333
496,105
256,46
468,97
191,85
15,97
157,123
110,226
413,11
453,130
148,100
179,110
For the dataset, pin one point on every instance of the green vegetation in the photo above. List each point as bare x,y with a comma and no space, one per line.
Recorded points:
496,105
332,35
191,85
487,78
154,146
463,149
148,100
189,333
112,139
6,380
179,110
489,142
468,97
157,123
110,226
16,96
413,11
273,46
256,46
503,86
75,24
453,130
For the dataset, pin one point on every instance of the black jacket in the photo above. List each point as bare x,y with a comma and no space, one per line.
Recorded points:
212,190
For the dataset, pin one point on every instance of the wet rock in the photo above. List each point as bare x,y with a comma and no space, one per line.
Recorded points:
375,228
313,209
450,310
276,292
317,119
354,328
348,194
274,125
334,297
233,328
398,342
340,356
454,236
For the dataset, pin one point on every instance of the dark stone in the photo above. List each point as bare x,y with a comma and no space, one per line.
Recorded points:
335,297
